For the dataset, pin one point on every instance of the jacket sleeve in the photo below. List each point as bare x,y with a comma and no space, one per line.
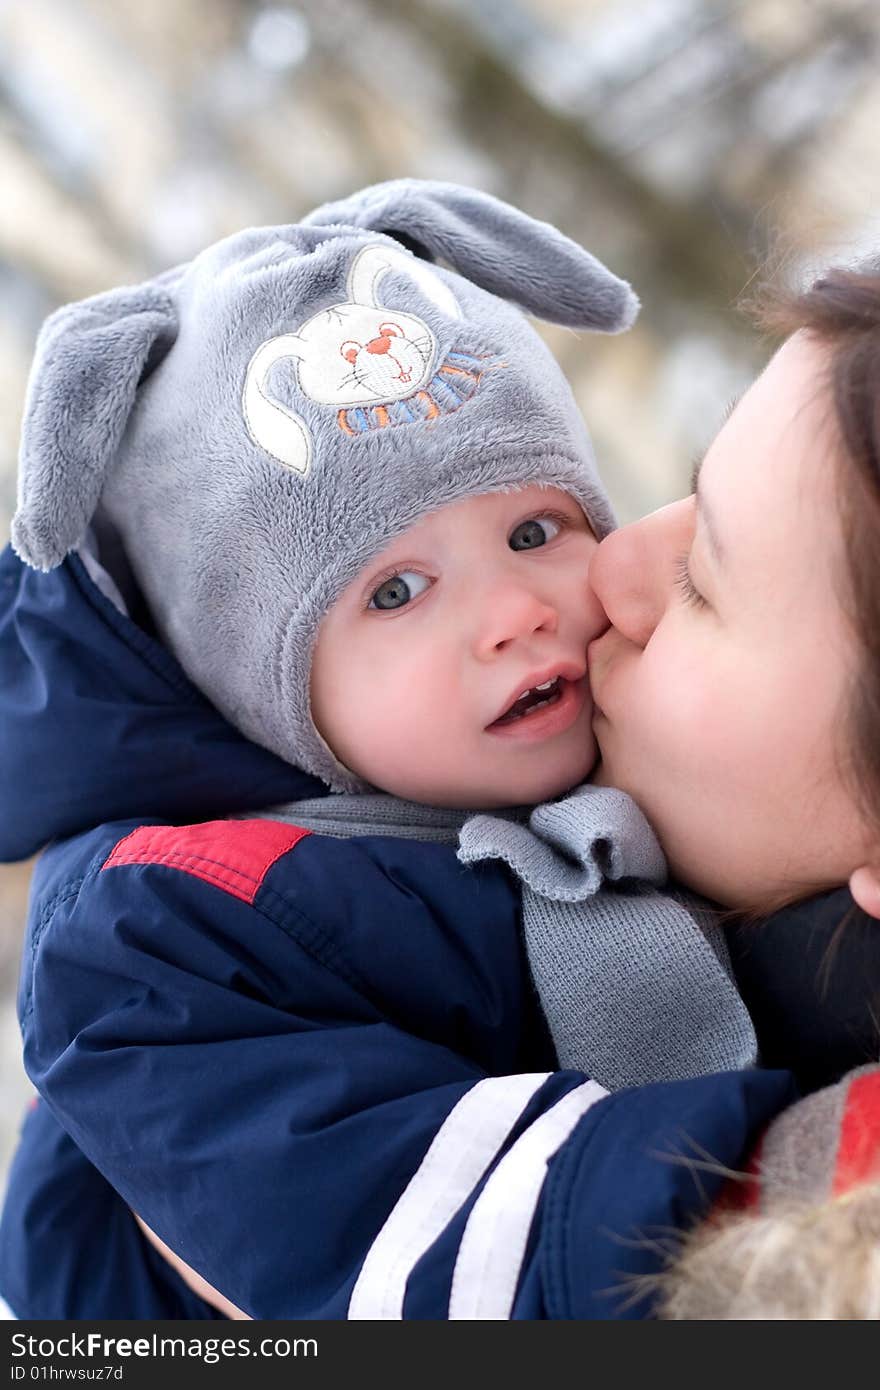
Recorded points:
312,1096
69,1246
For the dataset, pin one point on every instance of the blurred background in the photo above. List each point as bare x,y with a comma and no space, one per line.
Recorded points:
682,142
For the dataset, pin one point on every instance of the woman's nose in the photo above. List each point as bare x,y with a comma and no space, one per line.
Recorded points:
511,612
632,571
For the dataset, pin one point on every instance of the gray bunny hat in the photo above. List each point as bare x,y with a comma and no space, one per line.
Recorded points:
259,423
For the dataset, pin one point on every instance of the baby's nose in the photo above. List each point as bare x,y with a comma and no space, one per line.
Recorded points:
509,614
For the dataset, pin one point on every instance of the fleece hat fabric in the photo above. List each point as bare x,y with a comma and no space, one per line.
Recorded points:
261,422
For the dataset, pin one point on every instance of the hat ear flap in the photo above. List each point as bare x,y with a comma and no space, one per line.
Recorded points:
90,359
496,246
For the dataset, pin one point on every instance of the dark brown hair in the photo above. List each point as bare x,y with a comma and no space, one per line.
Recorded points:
842,311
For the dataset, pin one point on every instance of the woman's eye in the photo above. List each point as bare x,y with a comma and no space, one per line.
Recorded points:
397,591
685,585
533,533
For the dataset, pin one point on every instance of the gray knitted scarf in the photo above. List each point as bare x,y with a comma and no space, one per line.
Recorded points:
635,983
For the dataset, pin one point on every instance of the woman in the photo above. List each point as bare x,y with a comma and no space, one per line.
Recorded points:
742,634
739,684
753,760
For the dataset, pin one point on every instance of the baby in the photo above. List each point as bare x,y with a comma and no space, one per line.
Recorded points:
452,670
357,496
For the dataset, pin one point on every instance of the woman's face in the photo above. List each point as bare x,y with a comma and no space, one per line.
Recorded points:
722,686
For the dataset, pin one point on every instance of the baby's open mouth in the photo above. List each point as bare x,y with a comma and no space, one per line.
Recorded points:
548,693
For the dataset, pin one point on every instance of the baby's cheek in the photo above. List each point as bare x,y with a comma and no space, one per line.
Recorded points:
409,730
587,753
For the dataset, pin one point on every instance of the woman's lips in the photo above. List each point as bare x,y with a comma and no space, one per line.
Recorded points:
548,720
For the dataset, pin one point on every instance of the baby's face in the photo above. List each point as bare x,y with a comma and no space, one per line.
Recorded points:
420,663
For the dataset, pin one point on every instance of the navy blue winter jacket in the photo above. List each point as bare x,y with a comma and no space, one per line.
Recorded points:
316,1068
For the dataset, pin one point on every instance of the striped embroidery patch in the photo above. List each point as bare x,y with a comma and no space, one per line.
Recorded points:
454,382
234,855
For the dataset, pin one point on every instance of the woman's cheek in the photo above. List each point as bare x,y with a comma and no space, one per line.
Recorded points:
683,713
666,719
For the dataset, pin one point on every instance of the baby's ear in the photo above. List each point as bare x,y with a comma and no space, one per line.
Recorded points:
89,361
496,246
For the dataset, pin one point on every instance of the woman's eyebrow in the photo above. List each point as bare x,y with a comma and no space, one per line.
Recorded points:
703,509
730,407
698,460
695,471
705,513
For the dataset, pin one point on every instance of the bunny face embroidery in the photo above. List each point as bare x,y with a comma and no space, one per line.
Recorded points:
352,354
363,358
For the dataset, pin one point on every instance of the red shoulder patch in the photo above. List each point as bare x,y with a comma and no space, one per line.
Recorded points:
858,1153
234,855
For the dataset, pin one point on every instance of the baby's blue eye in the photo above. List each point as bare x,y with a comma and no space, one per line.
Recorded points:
534,532
398,590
